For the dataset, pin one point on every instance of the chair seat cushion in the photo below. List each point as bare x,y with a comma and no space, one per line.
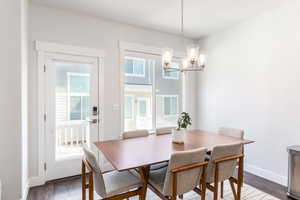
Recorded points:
159,166
157,178
120,182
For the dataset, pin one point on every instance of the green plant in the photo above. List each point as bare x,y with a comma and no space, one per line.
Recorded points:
184,121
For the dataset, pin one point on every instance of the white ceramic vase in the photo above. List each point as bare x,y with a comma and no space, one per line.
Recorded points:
178,135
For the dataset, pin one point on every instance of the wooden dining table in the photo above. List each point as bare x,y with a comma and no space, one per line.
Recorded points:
142,152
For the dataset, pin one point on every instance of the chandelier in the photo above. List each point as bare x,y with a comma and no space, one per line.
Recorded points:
193,61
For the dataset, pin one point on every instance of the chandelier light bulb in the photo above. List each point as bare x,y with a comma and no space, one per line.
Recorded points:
167,56
202,60
193,53
185,63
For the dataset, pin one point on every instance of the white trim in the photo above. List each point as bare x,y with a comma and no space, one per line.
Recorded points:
68,49
134,74
36,181
25,191
269,175
134,47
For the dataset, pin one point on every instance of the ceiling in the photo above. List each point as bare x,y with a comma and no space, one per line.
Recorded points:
201,17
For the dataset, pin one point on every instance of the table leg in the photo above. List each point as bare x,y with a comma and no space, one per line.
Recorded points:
144,173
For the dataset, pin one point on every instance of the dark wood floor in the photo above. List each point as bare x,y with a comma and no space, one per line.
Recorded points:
65,188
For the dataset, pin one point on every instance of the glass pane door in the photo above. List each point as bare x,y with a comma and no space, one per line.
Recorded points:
72,112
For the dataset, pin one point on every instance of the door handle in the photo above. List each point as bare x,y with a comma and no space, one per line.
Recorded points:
93,121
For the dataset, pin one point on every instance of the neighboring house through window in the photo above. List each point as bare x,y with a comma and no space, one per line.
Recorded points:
171,75
170,105
135,66
78,95
128,111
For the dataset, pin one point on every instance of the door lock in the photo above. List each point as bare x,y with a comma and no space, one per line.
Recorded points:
95,111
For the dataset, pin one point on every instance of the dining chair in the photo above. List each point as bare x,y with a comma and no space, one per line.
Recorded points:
233,132
185,171
111,185
163,131
221,167
135,134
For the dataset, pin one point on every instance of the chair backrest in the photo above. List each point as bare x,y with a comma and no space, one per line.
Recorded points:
233,132
135,134
226,168
186,180
90,157
163,131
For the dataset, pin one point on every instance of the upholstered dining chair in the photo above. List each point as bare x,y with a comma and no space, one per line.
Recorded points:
185,171
221,166
233,132
135,134
163,131
112,185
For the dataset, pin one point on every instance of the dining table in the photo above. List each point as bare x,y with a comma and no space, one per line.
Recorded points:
142,152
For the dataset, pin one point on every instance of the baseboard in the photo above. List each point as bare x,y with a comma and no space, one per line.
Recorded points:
36,181
269,175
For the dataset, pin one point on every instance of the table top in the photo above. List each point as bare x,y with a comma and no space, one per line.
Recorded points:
144,151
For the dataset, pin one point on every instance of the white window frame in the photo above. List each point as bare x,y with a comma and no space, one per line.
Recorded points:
164,75
129,48
132,107
138,106
163,104
144,67
76,94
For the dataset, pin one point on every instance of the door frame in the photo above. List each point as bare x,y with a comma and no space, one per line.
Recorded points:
43,49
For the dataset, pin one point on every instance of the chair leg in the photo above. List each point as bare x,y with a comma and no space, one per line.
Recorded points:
203,183
83,174
91,186
222,189
240,178
180,196
216,182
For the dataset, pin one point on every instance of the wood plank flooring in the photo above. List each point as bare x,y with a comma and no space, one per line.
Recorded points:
64,188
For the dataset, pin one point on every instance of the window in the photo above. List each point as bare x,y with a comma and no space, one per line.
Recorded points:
170,105
128,111
142,107
171,75
135,66
155,101
78,96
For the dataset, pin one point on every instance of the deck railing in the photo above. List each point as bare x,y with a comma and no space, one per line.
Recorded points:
72,133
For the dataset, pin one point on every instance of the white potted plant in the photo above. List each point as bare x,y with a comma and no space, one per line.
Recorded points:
183,122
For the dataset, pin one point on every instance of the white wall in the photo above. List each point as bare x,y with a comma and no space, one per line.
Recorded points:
252,82
62,26
10,101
